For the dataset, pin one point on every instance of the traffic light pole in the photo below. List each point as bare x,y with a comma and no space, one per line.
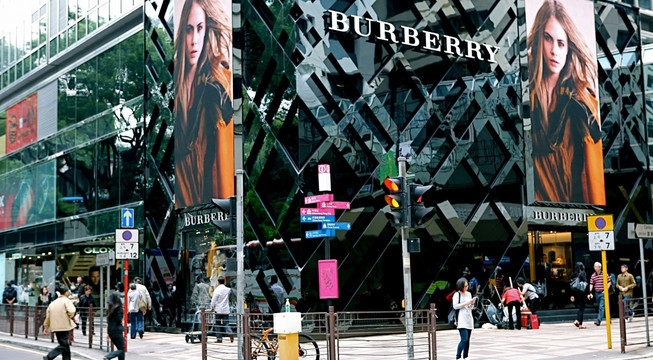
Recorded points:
405,255
240,256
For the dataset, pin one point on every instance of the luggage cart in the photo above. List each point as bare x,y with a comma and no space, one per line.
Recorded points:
494,315
195,333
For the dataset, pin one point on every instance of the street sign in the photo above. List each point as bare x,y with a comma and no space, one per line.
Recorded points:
601,240
334,205
127,236
126,251
105,259
337,226
318,198
312,234
316,211
600,223
644,231
317,219
324,177
126,218
630,231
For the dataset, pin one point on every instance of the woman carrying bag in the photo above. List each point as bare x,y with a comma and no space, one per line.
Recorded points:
578,286
463,303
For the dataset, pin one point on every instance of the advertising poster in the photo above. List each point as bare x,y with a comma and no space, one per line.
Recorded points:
204,131
21,123
563,86
27,197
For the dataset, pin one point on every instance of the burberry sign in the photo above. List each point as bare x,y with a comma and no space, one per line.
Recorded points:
423,40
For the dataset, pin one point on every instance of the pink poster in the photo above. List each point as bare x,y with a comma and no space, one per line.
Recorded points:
328,273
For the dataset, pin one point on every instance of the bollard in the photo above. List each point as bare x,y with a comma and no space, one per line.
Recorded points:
203,335
622,323
91,315
332,333
247,337
432,330
287,326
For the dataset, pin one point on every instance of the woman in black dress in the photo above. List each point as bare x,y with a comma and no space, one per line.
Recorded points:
115,329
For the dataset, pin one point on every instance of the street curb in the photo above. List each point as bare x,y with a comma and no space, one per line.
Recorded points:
40,347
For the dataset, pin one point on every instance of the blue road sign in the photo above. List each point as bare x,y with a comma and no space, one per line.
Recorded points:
337,226
317,218
316,234
126,218
319,233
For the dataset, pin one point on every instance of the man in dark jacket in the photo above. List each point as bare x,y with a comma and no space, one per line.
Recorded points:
9,295
85,302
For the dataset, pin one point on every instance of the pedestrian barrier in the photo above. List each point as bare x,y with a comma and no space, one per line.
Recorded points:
27,321
325,335
634,326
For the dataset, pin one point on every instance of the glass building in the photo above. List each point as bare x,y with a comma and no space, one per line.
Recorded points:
101,76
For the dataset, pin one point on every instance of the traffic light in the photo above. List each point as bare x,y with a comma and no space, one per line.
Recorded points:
395,197
226,225
419,214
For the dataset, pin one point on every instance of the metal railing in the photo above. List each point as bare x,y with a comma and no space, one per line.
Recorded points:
27,321
326,335
634,323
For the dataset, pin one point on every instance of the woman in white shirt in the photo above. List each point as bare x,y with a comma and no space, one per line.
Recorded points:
463,302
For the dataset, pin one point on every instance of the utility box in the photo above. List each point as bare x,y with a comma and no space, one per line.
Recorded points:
287,326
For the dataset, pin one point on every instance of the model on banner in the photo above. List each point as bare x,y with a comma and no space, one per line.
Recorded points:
567,145
204,143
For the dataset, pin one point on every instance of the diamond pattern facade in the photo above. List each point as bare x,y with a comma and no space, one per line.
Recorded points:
311,97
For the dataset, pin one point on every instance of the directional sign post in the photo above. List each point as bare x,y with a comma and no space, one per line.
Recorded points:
317,219
127,218
601,237
334,205
337,226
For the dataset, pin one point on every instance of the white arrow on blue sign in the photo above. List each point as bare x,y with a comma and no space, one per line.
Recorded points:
317,218
316,234
126,218
337,226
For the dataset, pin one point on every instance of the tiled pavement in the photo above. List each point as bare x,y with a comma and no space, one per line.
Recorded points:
551,341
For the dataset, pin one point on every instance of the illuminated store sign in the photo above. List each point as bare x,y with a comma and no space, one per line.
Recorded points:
561,217
422,40
94,250
192,220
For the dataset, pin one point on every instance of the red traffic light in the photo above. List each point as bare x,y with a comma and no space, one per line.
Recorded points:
392,184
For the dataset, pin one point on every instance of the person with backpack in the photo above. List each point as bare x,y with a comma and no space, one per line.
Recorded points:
463,302
596,285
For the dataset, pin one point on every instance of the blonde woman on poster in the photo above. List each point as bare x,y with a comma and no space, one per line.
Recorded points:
204,143
567,145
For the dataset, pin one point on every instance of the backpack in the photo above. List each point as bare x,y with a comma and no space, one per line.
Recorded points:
452,318
612,289
540,289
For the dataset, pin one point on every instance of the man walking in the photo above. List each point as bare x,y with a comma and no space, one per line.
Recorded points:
626,283
86,300
220,305
145,306
596,284
58,319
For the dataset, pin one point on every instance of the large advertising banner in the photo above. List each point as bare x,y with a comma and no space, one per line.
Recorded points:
204,130
27,197
21,123
563,84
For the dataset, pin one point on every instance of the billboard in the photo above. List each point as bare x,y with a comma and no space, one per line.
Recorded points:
204,131
567,150
27,196
21,123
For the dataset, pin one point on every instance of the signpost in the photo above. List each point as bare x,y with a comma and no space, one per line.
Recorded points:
127,218
317,219
601,237
318,211
126,248
643,231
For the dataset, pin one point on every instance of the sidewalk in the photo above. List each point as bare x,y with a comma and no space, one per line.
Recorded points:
551,341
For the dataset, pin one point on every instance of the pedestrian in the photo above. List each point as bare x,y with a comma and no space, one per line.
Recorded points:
134,299
512,299
278,291
44,300
220,305
530,295
78,287
86,300
626,283
59,320
463,302
145,305
596,286
473,283
578,295
9,295
499,281
115,328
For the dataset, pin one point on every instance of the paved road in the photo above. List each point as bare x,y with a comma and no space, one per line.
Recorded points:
19,353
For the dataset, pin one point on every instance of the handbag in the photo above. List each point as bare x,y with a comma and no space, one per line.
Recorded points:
452,318
578,285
